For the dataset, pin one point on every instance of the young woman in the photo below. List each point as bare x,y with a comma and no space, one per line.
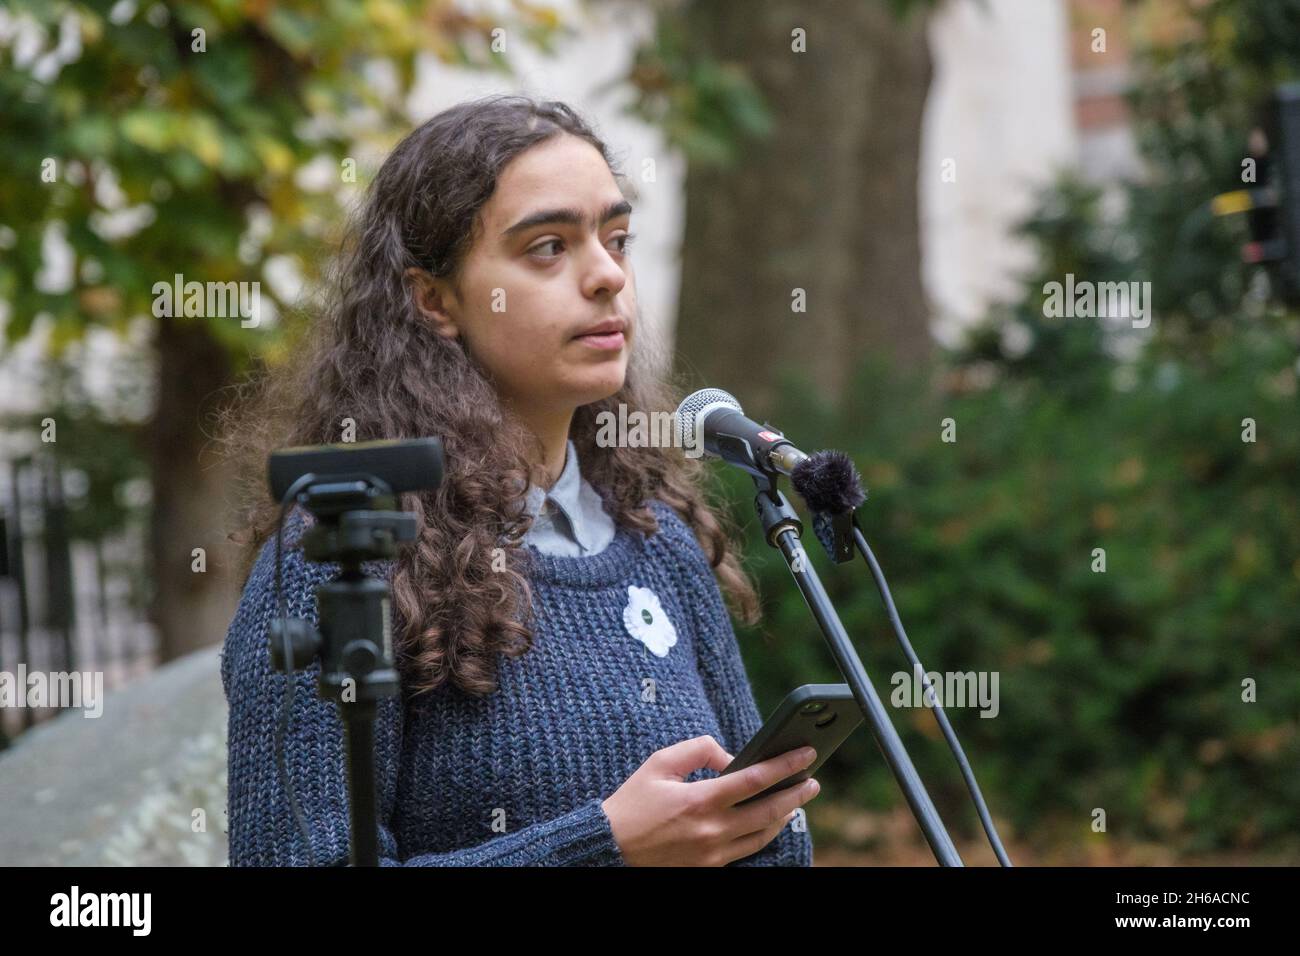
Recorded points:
571,684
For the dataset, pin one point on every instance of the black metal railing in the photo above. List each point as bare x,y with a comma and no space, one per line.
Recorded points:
66,603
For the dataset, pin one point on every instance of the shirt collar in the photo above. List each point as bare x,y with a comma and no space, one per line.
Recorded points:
565,496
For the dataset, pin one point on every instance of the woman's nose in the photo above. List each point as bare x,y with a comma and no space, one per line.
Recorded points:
604,273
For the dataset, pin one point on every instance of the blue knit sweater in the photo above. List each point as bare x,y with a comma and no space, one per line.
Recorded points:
633,651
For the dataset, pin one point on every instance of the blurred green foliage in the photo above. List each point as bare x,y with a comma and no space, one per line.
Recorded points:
165,138
1121,690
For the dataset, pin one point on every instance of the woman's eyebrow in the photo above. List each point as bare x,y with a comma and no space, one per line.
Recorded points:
567,216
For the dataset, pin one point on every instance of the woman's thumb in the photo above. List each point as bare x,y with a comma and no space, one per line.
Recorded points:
684,758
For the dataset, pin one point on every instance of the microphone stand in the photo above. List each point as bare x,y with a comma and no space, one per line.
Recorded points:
839,533
782,528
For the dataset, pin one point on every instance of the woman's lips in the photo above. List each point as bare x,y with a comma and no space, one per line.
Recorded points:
609,341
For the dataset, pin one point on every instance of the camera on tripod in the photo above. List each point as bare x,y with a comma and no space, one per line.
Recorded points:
351,489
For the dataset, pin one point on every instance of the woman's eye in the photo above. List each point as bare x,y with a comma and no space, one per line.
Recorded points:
536,250
625,239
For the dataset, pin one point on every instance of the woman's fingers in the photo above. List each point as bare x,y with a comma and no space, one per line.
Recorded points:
731,788
772,810
751,843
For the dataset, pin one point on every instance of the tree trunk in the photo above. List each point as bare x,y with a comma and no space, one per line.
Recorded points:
191,608
828,204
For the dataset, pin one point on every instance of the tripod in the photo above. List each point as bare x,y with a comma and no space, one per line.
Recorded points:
354,642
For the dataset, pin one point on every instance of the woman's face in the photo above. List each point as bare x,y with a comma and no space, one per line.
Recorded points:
549,265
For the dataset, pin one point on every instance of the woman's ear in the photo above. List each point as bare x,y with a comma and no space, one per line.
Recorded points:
431,298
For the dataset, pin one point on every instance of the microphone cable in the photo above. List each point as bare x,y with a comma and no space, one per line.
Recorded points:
953,744
830,486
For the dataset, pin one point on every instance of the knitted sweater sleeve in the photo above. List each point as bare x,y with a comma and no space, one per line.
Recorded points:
262,827
727,684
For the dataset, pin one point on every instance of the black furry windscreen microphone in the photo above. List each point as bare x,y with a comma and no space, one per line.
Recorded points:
828,481
831,487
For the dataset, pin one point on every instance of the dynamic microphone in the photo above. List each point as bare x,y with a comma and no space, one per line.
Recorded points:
711,422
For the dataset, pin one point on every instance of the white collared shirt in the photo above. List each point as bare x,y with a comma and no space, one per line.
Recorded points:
570,519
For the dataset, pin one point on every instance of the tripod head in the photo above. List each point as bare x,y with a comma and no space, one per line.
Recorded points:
355,523
349,489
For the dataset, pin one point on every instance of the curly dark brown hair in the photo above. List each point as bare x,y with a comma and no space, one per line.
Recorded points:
365,355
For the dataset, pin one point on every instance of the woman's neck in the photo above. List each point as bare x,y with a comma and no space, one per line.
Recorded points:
551,426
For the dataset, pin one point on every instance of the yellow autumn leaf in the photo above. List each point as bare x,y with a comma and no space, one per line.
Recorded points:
275,156
151,129
544,16
387,16
317,99
92,27
204,139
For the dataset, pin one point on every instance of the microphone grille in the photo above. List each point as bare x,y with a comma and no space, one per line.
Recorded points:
691,406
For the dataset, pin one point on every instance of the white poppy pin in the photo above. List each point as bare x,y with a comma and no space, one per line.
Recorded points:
645,619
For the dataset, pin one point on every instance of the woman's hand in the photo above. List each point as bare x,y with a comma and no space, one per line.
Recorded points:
660,820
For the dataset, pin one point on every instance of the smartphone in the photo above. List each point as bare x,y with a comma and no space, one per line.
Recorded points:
815,715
